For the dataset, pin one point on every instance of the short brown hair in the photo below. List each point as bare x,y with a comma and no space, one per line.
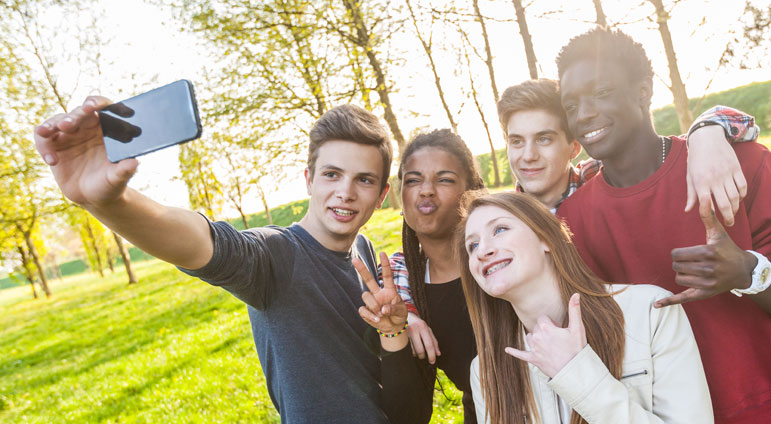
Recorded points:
354,124
541,94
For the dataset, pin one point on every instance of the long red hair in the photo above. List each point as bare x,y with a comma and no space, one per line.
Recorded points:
505,380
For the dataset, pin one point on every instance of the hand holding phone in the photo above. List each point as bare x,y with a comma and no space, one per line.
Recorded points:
159,118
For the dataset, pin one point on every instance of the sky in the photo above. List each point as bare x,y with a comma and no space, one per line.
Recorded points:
146,42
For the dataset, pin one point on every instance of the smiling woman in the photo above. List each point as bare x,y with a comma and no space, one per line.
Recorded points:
531,296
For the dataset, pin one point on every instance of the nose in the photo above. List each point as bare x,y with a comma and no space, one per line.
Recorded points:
427,189
586,110
530,152
485,250
345,190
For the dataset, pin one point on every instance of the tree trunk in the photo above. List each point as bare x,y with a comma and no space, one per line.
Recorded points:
124,254
488,51
36,260
264,205
363,40
109,259
427,49
493,156
95,247
529,52
601,19
27,271
684,115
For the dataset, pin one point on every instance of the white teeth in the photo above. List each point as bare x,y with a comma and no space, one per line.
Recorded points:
593,133
343,212
496,267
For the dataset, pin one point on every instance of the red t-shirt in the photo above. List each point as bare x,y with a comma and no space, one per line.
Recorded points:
627,235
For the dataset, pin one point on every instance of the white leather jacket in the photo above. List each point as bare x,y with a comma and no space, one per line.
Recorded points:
662,379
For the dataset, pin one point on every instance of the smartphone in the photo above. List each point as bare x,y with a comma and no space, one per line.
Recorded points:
159,118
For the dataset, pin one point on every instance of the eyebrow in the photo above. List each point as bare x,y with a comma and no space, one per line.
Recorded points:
543,132
444,171
492,222
372,175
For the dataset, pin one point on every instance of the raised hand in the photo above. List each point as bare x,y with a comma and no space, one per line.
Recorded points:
422,339
712,268
72,145
384,309
714,172
552,347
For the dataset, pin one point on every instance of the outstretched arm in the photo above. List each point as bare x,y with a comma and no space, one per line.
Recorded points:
72,145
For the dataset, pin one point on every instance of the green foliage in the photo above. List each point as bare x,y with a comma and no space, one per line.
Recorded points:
754,99
486,168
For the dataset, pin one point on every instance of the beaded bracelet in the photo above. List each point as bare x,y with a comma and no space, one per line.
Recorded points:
389,335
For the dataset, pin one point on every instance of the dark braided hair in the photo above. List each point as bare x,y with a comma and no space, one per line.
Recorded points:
414,257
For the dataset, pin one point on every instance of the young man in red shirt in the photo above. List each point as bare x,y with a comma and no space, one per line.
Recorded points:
629,224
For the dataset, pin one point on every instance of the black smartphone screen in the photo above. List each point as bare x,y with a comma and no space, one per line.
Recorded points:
159,118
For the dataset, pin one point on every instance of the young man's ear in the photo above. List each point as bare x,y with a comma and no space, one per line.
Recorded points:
308,180
645,93
383,195
575,149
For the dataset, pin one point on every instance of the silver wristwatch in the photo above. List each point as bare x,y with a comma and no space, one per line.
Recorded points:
761,278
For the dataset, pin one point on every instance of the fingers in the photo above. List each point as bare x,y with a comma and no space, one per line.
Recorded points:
388,277
714,228
83,117
692,253
416,340
366,276
431,345
688,295
435,343
94,103
368,316
725,204
740,182
575,324
520,354
371,304
44,135
120,109
691,198
123,171
694,268
395,310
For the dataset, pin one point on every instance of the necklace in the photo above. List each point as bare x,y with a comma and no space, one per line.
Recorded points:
663,149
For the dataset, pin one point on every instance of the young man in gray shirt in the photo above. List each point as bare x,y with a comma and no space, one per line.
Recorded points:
302,292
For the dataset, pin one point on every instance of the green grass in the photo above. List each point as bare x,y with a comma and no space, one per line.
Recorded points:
170,349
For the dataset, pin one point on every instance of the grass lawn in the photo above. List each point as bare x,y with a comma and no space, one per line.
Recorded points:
170,349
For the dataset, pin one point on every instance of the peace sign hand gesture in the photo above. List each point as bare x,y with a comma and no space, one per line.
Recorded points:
384,309
552,347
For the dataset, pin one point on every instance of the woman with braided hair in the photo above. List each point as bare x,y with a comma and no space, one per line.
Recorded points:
436,169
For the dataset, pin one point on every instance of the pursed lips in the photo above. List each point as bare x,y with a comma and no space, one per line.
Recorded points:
426,207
